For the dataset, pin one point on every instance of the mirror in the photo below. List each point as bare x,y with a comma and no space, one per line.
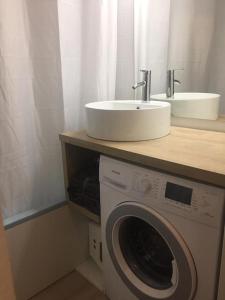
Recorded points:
172,34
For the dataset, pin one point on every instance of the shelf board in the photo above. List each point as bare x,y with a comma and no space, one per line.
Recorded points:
85,212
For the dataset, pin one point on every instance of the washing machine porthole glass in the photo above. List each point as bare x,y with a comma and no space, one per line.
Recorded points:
146,253
149,255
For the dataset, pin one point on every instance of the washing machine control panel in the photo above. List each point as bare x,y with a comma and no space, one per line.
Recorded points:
186,198
192,200
183,197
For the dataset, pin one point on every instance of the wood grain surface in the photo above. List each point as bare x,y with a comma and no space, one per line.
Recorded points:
196,154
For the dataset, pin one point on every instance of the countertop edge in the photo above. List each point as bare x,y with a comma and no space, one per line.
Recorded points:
190,172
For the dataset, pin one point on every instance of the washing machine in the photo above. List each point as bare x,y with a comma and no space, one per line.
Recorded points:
161,234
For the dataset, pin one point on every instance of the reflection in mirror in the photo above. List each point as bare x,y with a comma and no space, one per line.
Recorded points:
151,34
192,25
160,35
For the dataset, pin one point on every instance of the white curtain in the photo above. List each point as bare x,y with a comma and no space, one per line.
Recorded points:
54,57
31,108
88,41
151,37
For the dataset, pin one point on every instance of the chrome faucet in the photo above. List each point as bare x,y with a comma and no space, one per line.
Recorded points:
145,84
170,89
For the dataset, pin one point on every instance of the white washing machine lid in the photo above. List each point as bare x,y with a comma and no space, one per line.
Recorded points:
145,283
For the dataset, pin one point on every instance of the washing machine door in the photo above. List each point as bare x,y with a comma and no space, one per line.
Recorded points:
149,254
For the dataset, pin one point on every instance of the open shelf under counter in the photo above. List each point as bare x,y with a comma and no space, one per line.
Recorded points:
76,160
186,152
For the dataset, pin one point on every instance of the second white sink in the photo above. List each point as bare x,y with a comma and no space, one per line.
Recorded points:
127,120
192,105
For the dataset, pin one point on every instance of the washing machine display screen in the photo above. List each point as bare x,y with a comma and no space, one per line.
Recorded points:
178,193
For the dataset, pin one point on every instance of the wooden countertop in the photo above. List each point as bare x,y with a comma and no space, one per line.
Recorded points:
196,154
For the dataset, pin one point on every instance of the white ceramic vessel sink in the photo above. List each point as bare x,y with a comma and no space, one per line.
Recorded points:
127,120
192,105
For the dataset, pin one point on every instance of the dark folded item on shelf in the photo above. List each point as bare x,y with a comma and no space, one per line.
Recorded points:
84,189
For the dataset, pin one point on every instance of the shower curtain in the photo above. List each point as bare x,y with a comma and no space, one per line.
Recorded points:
31,108
55,56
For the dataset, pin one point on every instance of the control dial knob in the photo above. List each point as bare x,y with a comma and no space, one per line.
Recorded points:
144,185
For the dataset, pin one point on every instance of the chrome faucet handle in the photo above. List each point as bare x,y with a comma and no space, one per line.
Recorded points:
139,84
142,83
